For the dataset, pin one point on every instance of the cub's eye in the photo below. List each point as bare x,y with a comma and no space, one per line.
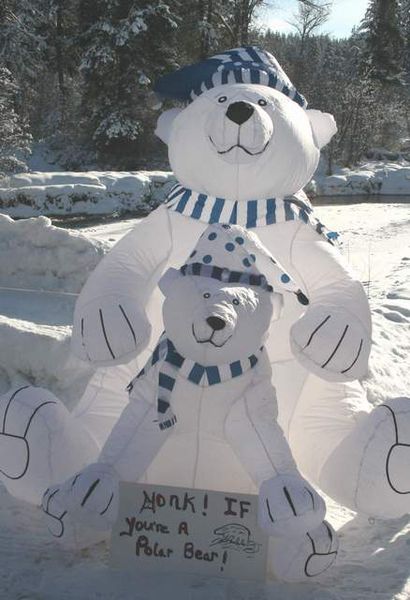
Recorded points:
262,102
222,99
235,301
207,295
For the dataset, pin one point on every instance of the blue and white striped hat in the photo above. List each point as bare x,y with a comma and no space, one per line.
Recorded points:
239,65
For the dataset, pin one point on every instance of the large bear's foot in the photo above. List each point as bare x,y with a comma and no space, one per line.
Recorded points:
300,558
40,443
370,470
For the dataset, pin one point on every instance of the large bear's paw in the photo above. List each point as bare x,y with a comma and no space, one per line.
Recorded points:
289,506
90,498
294,559
331,343
109,330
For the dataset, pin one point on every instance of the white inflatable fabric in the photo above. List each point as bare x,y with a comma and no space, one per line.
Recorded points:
316,354
249,174
208,424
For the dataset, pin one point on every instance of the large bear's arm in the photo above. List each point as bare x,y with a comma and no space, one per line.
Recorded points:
110,324
333,338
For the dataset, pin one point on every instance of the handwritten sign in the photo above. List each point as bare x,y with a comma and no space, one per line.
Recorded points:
180,529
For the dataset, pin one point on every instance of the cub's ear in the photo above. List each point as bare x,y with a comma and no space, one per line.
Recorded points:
323,126
164,123
167,280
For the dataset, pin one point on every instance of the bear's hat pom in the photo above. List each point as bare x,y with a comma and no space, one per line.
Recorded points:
249,65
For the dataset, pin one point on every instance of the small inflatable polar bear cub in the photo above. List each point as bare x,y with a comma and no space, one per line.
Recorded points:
202,412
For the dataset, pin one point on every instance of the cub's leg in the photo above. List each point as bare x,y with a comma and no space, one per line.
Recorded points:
301,558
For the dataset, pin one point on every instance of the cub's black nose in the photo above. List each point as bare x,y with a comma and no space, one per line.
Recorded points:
216,323
239,112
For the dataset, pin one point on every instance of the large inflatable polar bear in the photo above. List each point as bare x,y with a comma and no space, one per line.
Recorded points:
202,412
241,151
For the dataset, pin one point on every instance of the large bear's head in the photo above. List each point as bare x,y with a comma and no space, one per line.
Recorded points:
243,141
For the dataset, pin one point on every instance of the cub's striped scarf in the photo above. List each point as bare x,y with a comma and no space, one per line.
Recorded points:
174,363
249,214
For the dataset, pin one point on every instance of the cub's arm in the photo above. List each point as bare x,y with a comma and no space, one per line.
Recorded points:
110,324
91,496
136,437
333,338
254,434
288,505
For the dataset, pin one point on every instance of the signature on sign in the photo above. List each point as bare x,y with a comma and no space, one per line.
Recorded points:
235,537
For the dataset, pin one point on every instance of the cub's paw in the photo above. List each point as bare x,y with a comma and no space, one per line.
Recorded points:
289,506
90,497
294,559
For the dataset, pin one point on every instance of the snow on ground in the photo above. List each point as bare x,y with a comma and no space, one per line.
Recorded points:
374,560
103,193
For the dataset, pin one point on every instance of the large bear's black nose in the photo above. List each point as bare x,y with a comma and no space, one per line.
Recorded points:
239,112
216,323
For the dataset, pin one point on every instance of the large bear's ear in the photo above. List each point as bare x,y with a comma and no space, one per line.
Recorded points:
167,280
323,126
164,124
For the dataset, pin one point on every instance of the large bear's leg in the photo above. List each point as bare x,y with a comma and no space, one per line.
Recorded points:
40,443
355,453
370,469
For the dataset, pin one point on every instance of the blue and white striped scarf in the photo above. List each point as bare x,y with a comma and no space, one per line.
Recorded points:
174,363
249,214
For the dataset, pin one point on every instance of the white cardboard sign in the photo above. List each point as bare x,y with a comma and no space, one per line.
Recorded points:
167,528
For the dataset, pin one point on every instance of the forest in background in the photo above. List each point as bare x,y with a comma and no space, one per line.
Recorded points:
76,75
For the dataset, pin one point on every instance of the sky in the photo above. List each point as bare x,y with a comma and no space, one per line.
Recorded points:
345,14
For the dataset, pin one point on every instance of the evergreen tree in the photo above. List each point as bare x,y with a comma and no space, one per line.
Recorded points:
405,23
14,135
384,42
126,44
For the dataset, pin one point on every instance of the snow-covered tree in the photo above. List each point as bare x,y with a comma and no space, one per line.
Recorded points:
384,41
125,45
14,135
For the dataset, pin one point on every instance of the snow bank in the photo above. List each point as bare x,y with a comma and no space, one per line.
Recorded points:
389,178
49,265
93,192
34,254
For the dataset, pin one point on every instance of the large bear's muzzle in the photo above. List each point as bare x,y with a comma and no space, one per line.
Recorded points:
239,132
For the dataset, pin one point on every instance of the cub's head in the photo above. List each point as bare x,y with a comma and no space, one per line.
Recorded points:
218,307
213,322
245,133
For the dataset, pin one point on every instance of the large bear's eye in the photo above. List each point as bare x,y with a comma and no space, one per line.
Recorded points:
222,99
207,295
262,102
235,301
